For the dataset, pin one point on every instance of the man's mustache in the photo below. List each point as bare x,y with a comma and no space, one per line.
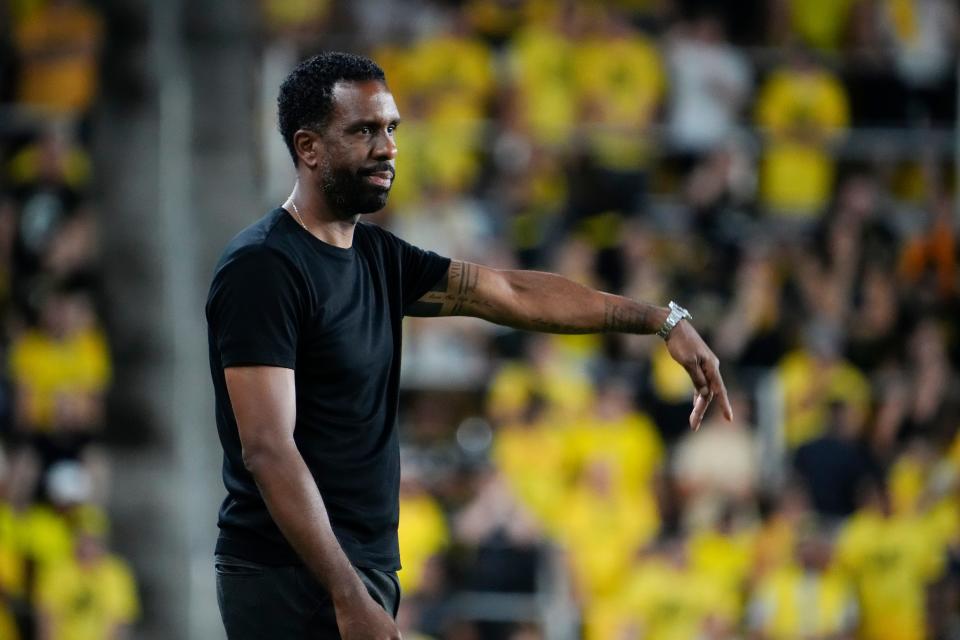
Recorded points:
380,168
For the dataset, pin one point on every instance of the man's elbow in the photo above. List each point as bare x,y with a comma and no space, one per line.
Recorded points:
262,455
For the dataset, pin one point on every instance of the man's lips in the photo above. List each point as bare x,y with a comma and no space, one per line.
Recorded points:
380,178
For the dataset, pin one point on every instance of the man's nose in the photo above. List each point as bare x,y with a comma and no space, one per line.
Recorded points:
385,147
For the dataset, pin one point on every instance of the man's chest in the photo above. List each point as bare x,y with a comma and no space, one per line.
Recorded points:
349,335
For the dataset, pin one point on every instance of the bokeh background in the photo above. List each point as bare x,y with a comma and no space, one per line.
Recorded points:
785,168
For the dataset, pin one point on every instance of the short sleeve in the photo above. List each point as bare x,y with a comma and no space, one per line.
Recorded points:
421,270
254,310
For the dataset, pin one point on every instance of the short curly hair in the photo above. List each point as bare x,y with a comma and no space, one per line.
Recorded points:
306,96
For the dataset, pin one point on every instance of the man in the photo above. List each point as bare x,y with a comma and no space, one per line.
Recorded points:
304,319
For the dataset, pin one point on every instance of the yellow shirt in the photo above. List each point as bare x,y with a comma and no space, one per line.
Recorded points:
11,556
773,545
541,65
26,166
820,23
630,444
45,368
45,535
532,458
451,70
726,559
87,603
568,392
619,83
809,389
603,533
290,14
670,381
661,602
890,561
59,47
422,534
790,604
797,172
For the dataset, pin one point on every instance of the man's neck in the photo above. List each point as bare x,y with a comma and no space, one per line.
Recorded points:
310,210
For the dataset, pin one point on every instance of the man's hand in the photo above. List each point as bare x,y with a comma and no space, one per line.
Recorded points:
360,618
688,348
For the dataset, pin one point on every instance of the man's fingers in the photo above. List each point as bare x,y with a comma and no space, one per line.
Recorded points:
700,382
703,396
700,405
718,389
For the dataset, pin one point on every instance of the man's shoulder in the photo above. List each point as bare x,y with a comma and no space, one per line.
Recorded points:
263,240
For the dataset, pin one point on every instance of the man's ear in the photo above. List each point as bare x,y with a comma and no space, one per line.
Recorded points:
306,143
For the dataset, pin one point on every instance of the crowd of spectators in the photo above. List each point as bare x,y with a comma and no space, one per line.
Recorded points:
779,167
59,579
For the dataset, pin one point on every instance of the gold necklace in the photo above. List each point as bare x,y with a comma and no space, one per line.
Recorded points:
297,215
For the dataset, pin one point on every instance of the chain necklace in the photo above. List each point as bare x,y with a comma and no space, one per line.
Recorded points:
297,215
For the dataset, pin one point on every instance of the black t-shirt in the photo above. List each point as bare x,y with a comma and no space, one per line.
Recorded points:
282,297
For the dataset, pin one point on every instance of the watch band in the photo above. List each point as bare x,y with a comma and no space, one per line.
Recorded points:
677,313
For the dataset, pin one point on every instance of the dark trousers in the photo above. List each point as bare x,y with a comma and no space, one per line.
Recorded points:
262,602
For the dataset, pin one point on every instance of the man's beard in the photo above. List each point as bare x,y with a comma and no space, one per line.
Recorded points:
348,193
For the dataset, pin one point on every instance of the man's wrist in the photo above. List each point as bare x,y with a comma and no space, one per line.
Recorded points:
676,315
657,316
348,590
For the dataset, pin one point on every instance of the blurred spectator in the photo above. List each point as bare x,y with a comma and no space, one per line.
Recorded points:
565,388
875,326
934,384
821,24
802,108
61,368
13,596
422,532
834,466
709,82
665,598
775,541
530,452
751,333
89,596
923,37
619,435
603,527
891,559
718,465
506,538
812,378
930,257
53,159
724,552
620,84
806,599
541,67
444,84
57,45
298,20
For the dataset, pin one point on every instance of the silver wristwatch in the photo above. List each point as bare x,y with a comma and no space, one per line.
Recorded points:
677,313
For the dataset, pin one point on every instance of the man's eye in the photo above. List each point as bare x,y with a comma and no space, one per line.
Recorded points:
366,130
391,128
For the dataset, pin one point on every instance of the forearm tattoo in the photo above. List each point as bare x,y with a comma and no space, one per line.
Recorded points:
452,295
625,316
554,326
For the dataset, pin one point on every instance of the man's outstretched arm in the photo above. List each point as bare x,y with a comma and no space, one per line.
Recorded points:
546,302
